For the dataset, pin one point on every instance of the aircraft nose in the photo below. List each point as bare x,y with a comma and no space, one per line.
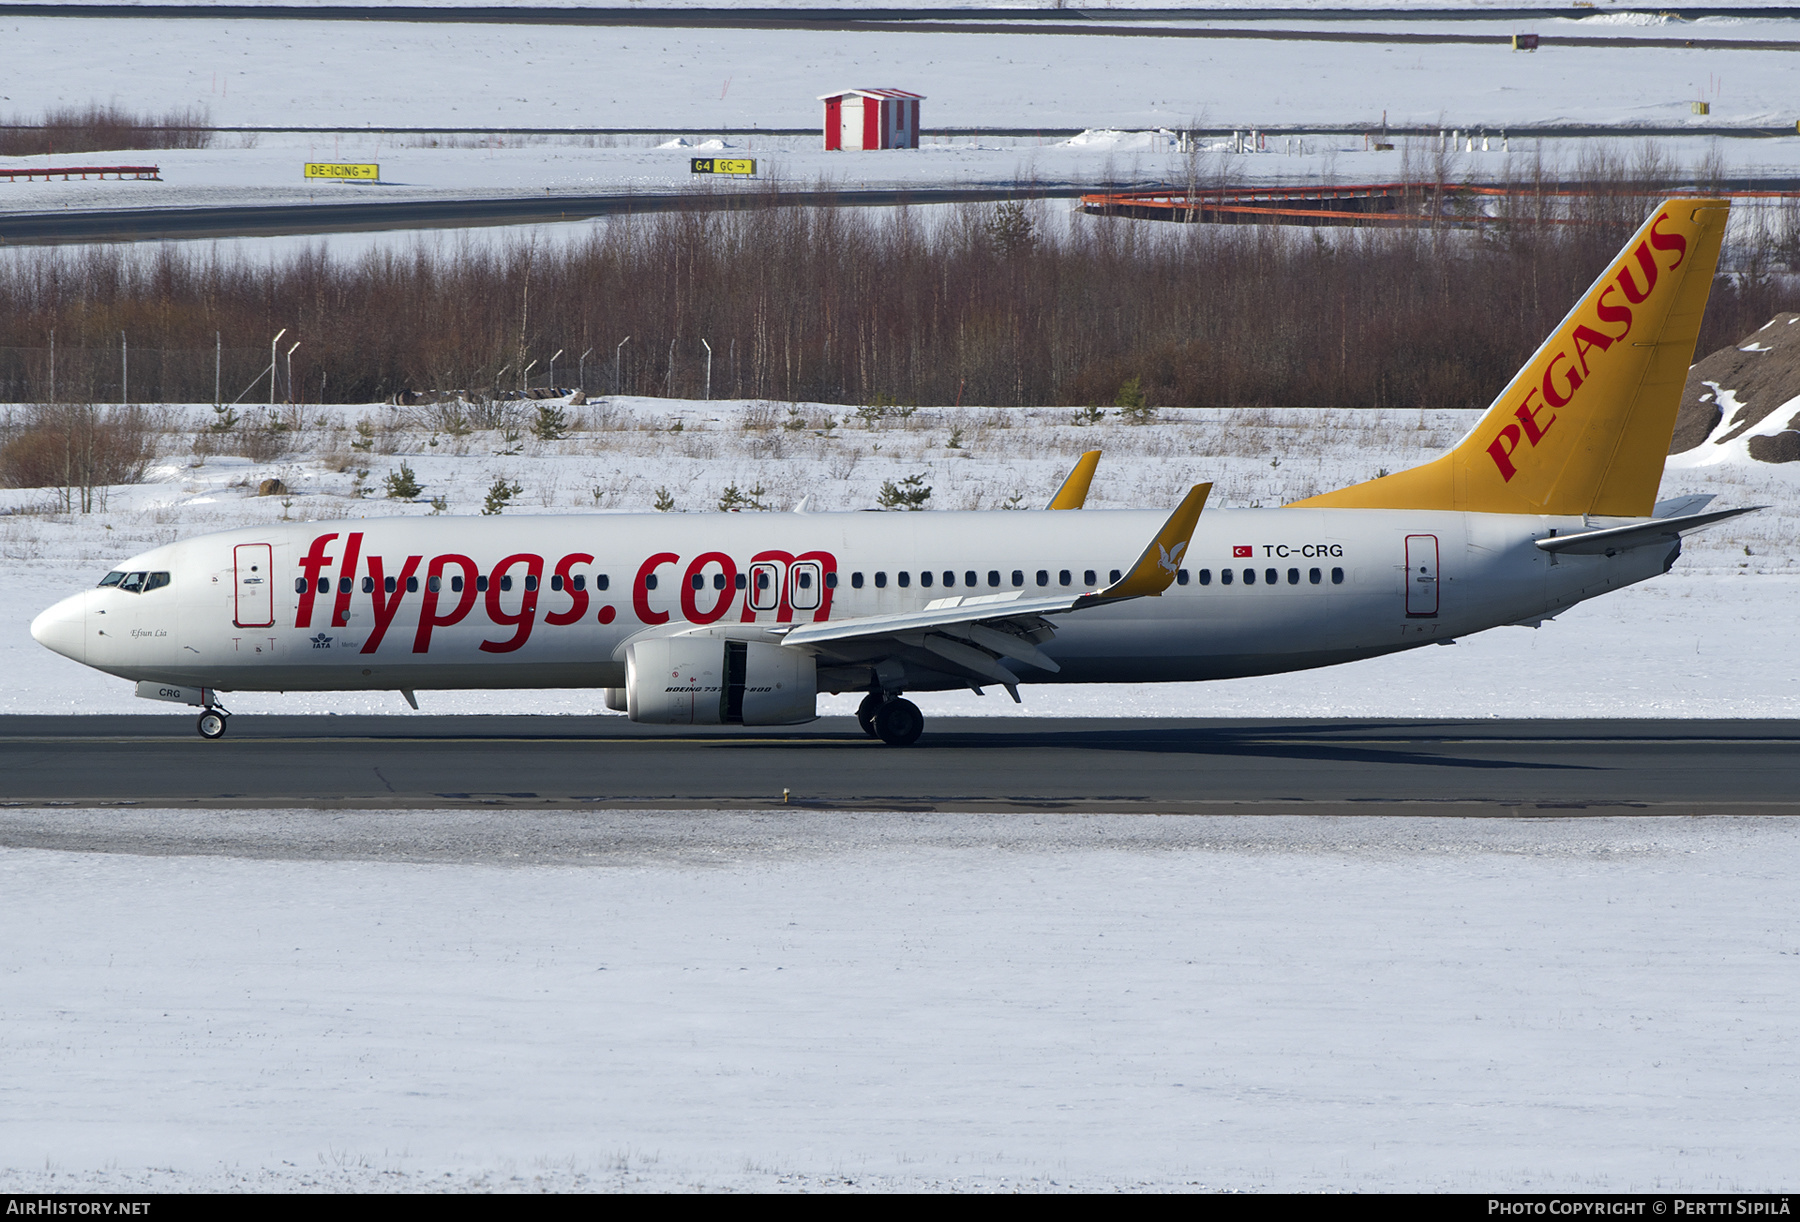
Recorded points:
64,628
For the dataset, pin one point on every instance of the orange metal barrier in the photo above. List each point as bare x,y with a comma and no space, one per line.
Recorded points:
66,172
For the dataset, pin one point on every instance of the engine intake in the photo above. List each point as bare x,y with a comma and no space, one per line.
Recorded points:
706,681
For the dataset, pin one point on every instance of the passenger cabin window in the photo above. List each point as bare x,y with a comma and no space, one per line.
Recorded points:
1224,577
1205,576
577,582
368,585
994,577
412,585
346,584
1089,578
1181,577
881,581
600,582
434,584
904,578
855,581
556,582
1271,577
1293,577
949,578
1064,578
1249,577
1337,577
1313,575
113,578
1018,578
481,584
1114,579
1043,577
970,579
456,584
831,581
392,584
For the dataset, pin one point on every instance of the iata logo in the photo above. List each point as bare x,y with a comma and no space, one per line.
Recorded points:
1564,375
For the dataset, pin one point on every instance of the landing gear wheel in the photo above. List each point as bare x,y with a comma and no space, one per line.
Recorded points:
865,713
899,723
212,724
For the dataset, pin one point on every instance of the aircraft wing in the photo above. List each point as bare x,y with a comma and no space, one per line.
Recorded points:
970,634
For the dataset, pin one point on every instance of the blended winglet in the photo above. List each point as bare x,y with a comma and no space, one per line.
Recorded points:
1155,570
1074,490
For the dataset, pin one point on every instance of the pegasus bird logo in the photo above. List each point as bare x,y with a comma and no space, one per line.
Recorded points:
1168,558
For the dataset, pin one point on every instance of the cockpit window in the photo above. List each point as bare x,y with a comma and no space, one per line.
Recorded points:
157,581
133,583
113,578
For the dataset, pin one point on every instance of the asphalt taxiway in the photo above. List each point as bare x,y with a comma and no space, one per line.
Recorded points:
1146,765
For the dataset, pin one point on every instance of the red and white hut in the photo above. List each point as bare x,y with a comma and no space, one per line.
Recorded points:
871,119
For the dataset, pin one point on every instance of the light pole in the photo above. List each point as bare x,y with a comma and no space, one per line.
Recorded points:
501,373
708,348
218,363
52,364
272,344
290,365
581,371
525,378
124,369
618,366
553,357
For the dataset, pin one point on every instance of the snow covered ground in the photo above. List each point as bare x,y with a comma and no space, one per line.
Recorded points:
830,1001
697,82
1715,638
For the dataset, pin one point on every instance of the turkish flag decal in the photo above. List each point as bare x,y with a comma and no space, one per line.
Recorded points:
1240,553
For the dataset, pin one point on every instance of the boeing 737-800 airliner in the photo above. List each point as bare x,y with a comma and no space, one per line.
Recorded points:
744,619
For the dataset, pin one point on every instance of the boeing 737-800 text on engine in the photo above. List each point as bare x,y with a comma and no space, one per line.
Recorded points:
744,619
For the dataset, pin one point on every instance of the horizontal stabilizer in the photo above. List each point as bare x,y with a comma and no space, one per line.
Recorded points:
1636,534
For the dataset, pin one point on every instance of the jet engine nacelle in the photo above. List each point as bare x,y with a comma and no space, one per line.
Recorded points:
707,681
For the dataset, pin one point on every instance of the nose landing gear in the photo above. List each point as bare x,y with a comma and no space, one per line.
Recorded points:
896,722
212,723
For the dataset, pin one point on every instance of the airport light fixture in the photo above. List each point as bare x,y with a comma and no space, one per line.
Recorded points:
290,371
617,366
272,344
553,357
581,371
708,348
525,376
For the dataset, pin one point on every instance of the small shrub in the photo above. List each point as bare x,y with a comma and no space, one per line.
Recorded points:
551,424
77,448
499,495
734,501
665,503
910,493
403,485
1133,404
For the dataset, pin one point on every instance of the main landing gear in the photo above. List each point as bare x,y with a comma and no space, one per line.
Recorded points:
213,722
896,722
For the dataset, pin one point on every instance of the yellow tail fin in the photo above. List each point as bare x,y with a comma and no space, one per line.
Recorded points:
1585,425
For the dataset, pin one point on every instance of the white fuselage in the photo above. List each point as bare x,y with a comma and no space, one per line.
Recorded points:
1307,588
